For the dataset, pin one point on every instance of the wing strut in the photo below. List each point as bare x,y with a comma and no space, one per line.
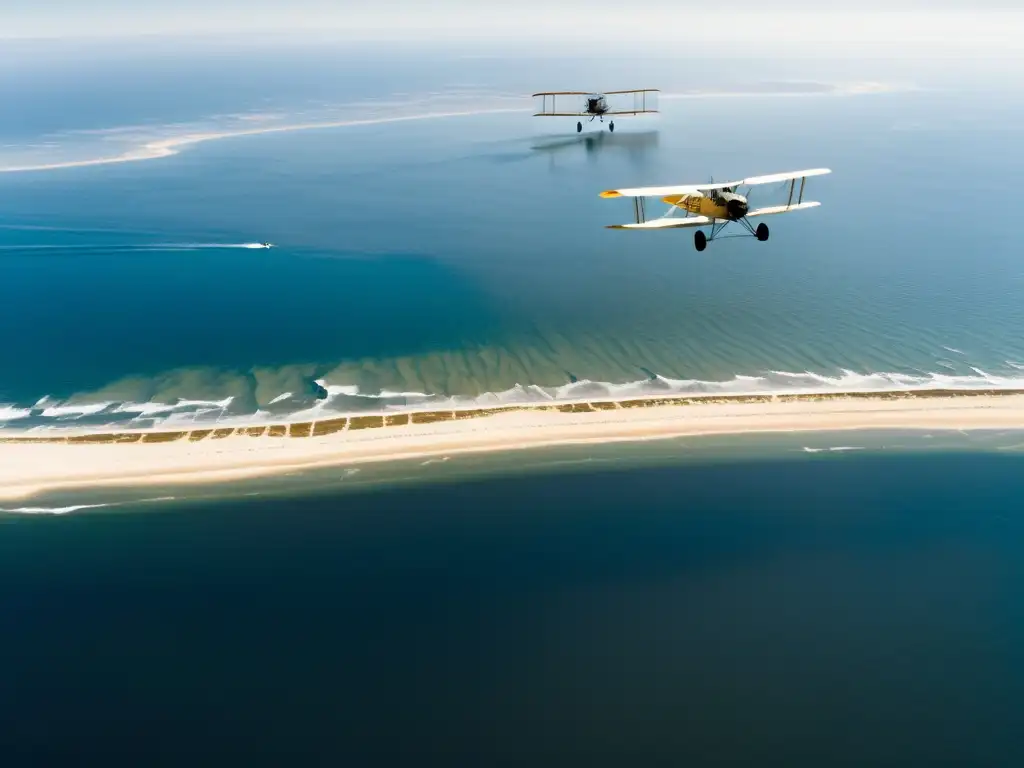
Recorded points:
638,208
792,188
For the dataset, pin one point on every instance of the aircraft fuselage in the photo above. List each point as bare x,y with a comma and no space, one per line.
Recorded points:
597,105
723,205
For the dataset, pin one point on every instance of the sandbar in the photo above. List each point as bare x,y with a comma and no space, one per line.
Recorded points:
32,463
168,147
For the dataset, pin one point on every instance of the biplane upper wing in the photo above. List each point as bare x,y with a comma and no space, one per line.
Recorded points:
640,213
789,176
675,189
689,189
645,100
679,189
547,106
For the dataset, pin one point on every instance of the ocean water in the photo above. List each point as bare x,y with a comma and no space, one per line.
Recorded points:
755,603
791,599
465,257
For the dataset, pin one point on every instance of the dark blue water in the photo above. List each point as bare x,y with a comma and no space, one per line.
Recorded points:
845,609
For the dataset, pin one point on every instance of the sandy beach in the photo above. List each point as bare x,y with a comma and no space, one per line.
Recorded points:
33,464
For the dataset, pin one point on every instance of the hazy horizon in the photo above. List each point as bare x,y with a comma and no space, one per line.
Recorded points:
989,27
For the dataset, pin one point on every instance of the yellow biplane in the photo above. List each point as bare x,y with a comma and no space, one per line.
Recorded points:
715,204
596,105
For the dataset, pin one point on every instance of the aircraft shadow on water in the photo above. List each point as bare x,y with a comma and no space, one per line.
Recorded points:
635,145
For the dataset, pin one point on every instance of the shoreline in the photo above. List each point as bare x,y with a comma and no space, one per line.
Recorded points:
32,465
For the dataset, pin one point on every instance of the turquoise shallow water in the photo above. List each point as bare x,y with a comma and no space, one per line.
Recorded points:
467,257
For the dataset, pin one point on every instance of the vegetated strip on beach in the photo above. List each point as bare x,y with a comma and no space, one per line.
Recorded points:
31,465
344,423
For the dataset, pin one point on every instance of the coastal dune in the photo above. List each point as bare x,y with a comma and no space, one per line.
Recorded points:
35,463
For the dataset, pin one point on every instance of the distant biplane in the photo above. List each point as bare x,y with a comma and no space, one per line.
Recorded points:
595,105
714,204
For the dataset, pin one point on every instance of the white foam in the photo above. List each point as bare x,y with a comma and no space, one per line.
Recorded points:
144,410
10,413
221,404
279,398
85,409
334,390
387,393
148,410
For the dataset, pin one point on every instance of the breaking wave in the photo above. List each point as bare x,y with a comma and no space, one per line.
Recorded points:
10,413
340,399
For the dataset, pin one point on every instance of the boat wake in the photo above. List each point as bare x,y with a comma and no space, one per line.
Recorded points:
133,247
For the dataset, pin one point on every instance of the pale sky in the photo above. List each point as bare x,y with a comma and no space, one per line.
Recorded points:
959,24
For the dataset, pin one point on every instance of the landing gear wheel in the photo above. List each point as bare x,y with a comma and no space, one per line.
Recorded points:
611,127
761,232
579,127
700,240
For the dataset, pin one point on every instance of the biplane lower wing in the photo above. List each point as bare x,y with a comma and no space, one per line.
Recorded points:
773,209
665,223
545,113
